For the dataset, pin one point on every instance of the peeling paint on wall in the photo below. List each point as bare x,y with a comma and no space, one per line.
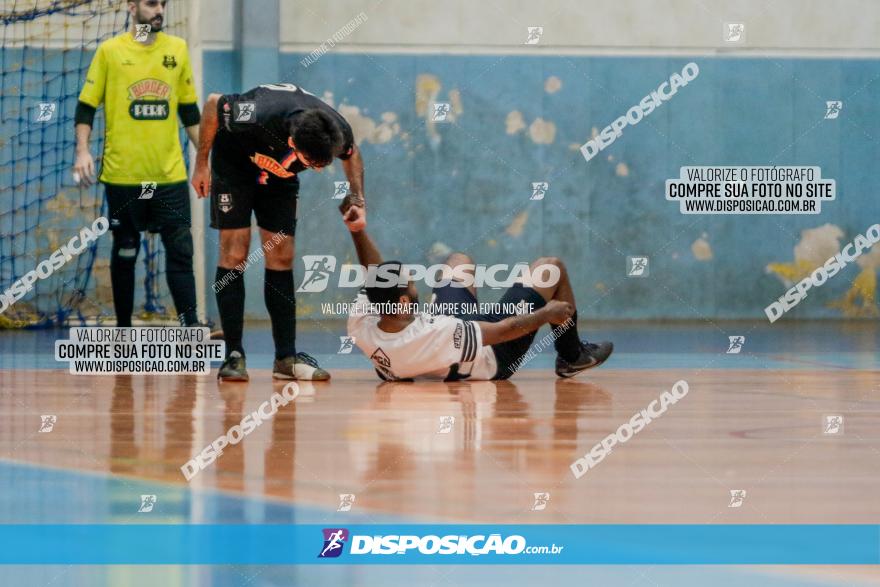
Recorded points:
701,248
518,224
542,132
552,84
366,129
816,246
514,122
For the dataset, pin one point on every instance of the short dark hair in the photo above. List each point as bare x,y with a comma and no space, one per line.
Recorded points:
316,134
385,291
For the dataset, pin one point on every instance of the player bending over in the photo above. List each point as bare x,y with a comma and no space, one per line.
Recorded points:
259,141
406,344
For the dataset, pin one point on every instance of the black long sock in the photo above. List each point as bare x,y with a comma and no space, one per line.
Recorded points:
179,273
122,262
229,287
280,302
567,343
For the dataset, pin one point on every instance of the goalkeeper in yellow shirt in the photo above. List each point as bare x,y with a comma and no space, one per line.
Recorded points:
144,80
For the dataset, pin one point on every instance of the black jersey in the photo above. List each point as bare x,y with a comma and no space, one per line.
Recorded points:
253,140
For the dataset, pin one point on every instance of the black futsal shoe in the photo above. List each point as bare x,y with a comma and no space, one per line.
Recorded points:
592,355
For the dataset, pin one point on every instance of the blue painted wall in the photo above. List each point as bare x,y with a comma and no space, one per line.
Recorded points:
468,189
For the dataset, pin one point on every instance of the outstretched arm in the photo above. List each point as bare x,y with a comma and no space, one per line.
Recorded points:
354,172
555,312
367,252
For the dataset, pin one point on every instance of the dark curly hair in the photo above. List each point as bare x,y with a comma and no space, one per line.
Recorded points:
317,135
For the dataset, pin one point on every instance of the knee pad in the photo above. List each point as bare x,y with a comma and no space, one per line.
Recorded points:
125,246
178,248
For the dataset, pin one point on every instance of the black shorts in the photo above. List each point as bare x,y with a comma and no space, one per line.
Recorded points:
136,208
237,192
507,354
232,204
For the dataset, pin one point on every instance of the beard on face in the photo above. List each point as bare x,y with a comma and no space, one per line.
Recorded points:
155,24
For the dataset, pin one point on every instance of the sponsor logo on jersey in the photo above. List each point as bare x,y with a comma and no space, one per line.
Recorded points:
271,165
148,88
149,99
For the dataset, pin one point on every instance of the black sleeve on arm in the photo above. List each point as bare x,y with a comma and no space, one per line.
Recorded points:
189,114
84,114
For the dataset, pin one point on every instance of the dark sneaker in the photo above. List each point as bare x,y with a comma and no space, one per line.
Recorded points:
302,367
233,368
592,355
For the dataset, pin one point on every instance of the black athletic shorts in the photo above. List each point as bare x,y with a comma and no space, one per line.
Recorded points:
234,197
507,354
136,208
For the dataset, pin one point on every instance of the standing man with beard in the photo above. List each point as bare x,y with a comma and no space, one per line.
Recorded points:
144,80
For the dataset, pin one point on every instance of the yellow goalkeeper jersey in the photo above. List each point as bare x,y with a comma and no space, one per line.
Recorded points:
141,86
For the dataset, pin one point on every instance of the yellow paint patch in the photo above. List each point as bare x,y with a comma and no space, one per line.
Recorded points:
514,122
542,132
815,247
518,224
552,85
366,129
701,249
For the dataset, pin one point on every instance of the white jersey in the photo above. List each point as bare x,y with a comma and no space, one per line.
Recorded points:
431,347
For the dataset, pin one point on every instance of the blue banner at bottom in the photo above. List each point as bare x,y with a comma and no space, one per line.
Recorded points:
440,544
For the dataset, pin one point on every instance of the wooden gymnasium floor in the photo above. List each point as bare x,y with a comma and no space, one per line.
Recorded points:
751,421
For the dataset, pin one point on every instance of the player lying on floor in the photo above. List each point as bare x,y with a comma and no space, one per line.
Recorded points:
404,344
